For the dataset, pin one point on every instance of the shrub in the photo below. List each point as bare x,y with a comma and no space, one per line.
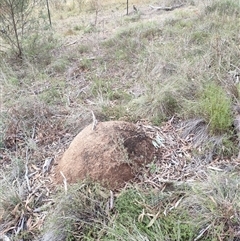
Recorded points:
19,20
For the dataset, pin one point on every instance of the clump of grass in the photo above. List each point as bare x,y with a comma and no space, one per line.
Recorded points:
224,7
58,66
81,214
38,48
133,18
111,100
215,105
16,206
160,102
140,214
83,49
30,121
206,210
130,43
214,206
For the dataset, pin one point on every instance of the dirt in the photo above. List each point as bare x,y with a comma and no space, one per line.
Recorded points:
111,154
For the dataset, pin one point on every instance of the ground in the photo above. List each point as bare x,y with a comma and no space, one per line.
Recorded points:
143,77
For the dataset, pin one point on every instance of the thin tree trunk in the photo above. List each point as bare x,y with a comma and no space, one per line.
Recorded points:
19,48
49,14
127,7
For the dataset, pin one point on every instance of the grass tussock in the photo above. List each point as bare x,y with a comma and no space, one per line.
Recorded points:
80,214
214,207
200,211
216,106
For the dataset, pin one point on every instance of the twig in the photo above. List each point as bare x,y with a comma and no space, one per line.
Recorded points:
70,43
64,182
111,200
202,232
34,130
215,169
26,172
21,224
94,121
237,125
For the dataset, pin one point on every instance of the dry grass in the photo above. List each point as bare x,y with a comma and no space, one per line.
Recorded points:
151,65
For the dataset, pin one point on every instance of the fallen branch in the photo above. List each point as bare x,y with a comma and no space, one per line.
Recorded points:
237,125
68,44
167,8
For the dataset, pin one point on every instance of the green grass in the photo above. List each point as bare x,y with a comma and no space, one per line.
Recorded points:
215,204
215,105
80,214
143,214
140,217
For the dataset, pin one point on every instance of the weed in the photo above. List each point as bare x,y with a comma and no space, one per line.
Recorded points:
127,205
52,94
199,37
77,28
130,41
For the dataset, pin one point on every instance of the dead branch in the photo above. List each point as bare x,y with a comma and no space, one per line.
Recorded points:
166,8
237,125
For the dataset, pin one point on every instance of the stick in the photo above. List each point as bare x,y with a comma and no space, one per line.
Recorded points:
202,232
94,121
64,182
26,172
237,124
111,201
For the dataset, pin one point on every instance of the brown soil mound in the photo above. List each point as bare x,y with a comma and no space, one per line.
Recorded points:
111,154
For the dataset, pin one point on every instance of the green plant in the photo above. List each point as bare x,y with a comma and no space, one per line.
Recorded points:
58,66
215,105
85,64
77,27
79,215
52,94
214,206
89,29
38,46
140,216
83,49
17,22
